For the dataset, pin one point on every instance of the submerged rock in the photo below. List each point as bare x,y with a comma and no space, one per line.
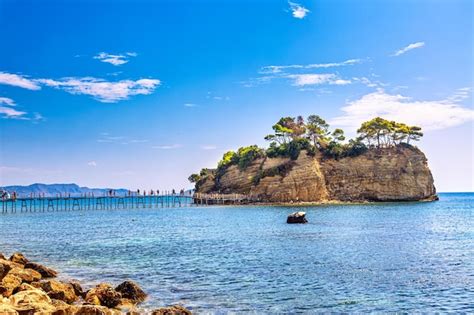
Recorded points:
43,270
131,291
297,217
172,310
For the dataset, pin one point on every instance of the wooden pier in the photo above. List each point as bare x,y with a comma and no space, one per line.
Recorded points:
89,202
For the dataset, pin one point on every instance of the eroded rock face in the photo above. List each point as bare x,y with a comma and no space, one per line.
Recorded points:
392,174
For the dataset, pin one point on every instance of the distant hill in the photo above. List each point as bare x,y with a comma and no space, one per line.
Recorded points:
55,189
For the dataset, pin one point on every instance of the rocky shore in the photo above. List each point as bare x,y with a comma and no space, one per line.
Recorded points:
28,287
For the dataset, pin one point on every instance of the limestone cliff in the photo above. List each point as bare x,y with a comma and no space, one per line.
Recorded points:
392,174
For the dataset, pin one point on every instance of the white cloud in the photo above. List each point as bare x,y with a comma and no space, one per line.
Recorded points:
7,111
190,105
408,48
430,115
208,147
92,163
279,69
115,60
317,79
18,80
298,11
167,147
7,101
102,90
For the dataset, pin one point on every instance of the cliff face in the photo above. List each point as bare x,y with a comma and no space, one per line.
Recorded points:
392,174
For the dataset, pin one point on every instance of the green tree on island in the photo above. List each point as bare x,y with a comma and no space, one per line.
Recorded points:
293,135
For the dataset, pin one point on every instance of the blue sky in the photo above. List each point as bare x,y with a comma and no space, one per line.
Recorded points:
141,94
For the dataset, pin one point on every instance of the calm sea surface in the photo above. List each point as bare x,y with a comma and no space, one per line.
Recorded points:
352,258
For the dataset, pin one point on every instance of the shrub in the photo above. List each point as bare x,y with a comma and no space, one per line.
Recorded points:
247,155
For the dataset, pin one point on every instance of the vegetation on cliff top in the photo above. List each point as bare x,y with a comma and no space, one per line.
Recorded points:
292,135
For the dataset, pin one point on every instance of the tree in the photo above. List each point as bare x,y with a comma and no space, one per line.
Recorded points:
246,155
338,135
230,157
317,130
414,134
194,178
384,133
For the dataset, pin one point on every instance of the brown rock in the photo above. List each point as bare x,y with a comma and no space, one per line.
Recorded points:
172,310
4,269
18,258
7,308
130,290
26,275
77,288
95,310
59,291
104,294
32,301
9,283
44,271
61,307
24,287
2,256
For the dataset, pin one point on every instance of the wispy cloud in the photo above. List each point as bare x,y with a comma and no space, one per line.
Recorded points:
103,90
18,81
105,137
92,163
115,60
281,68
167,147
297,10
190,105
408,48
430,115
7,110
317,79
208,147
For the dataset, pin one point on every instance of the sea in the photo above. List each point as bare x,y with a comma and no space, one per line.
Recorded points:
380,257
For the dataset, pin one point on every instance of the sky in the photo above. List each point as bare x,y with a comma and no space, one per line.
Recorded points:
140,94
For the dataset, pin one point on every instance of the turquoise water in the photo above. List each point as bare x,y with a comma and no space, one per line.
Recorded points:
354,258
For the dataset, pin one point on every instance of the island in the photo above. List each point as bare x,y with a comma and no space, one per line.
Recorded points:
308,162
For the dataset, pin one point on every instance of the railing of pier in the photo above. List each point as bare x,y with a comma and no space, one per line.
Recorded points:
89,202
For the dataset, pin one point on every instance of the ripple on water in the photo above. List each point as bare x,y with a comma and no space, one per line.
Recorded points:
357,258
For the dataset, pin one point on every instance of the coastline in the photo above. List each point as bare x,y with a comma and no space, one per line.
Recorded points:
28,287
326,202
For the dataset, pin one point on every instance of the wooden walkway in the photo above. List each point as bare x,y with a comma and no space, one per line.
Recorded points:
80,203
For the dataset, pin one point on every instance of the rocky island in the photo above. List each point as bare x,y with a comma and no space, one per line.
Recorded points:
306,162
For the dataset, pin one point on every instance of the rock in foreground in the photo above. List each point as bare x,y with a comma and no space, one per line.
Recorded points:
297,217
24,291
